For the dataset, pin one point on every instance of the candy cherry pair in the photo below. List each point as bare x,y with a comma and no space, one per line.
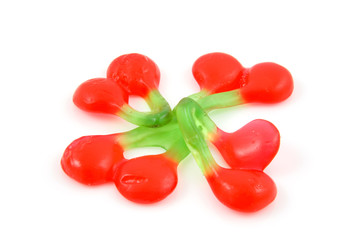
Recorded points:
99,159
95,160
222,78
244,186
129,74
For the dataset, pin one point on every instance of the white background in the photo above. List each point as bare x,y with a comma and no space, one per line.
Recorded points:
48,48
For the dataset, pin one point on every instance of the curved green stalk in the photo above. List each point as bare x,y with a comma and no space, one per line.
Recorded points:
195,127
163,136
187,131
178,151
167,137
159,115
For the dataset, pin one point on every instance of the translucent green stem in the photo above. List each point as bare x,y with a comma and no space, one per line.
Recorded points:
167,137
159,115
163,136
220,100
178,151
196,126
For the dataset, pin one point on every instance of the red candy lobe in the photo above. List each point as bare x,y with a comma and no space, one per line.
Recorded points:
242,189
267,83
99,95
251,147
90,159
146,179
217,72
134,72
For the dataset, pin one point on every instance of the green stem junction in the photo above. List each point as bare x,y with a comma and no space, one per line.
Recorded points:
159,115
196,127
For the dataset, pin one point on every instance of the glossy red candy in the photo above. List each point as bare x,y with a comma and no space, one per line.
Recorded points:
134,72
263,83
90,159
267,83
243,190
100,95
244,187
217,72
251,147
146,179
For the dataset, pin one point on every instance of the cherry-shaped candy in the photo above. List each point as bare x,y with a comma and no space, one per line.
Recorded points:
136,73
230,84
217,72
100,95
129,74
245,190
90,159
146,179
267,83
251,147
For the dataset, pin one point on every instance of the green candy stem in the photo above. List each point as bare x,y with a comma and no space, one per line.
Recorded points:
159,115
221,100
163,136
211,102
178,151
167,137
196,127
186,129
199,95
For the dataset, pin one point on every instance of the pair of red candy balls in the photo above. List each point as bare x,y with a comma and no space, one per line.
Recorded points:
265,82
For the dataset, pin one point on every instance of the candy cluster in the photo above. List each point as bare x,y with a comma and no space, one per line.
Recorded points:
187,129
